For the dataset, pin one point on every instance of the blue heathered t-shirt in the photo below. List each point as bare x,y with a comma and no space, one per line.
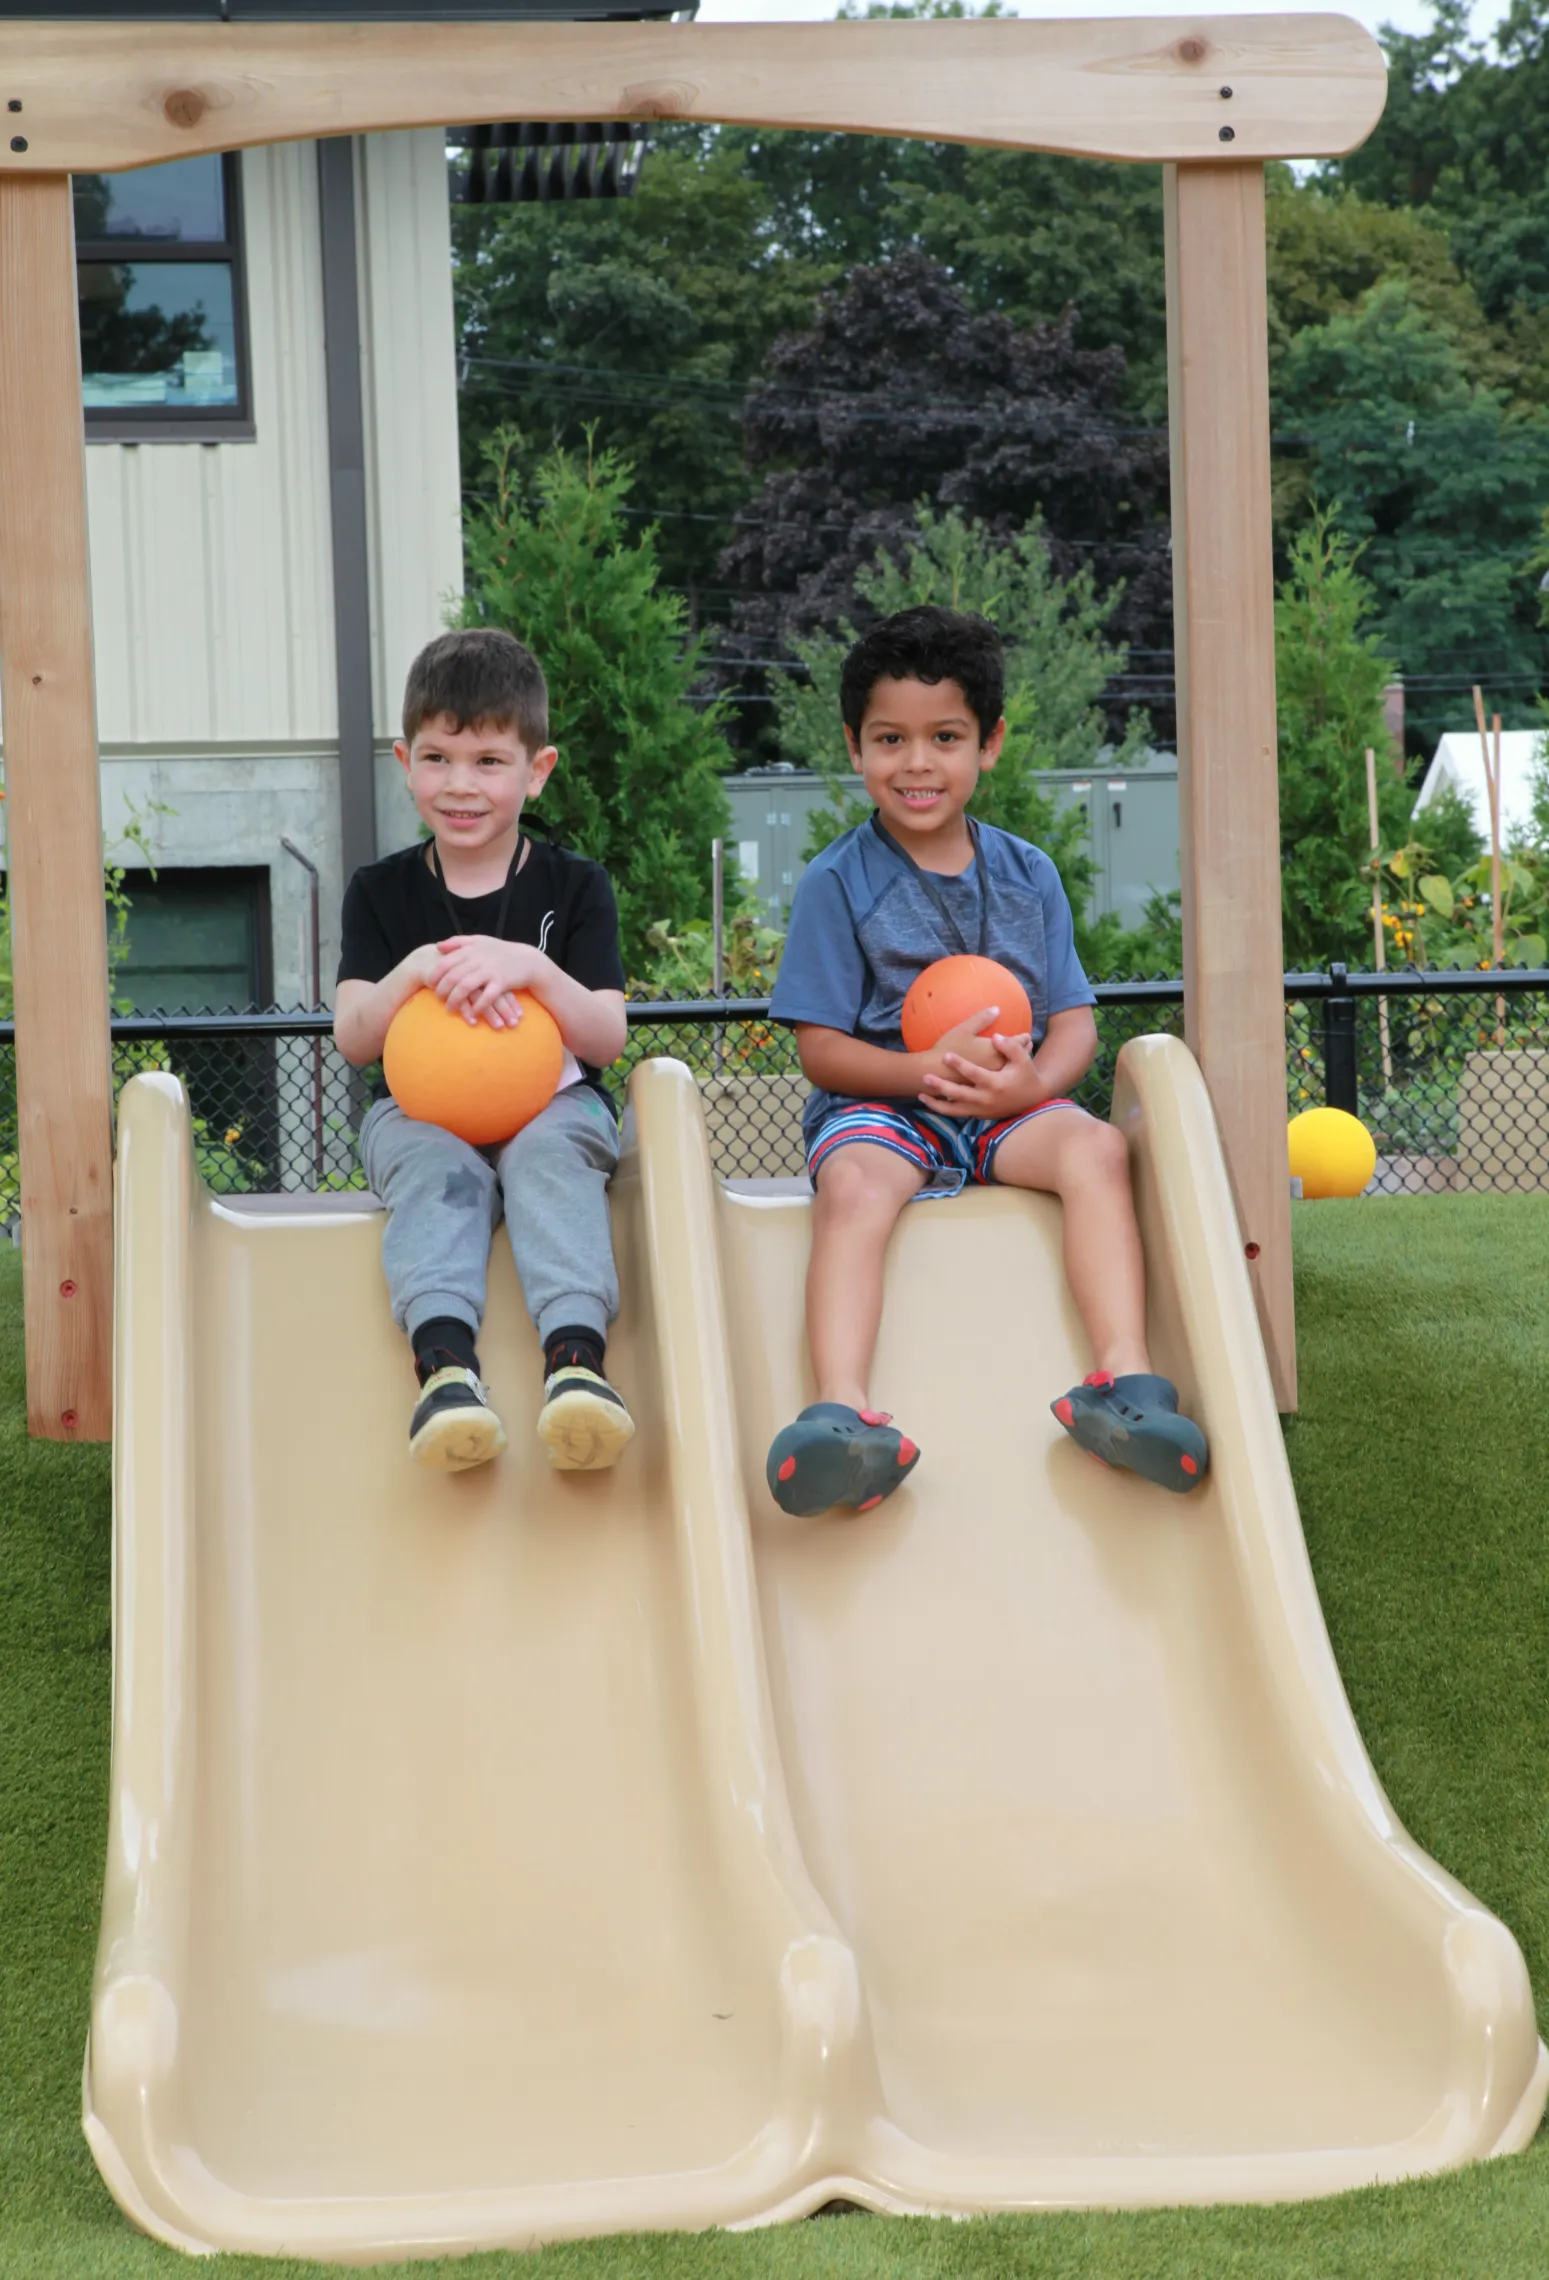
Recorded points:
864,924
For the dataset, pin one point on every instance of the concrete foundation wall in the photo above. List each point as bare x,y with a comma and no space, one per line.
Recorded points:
202,811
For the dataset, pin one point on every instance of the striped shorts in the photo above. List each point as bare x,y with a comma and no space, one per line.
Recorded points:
952,1151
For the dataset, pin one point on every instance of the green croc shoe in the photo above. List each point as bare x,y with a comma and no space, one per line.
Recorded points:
1133,1422
837,1456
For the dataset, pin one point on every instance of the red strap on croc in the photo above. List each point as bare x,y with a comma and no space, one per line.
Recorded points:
875,1417
1101,1379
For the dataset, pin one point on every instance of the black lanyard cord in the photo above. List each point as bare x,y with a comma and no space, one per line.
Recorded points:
459,925
932,885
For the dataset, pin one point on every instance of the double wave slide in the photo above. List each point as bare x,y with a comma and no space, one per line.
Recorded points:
508,1857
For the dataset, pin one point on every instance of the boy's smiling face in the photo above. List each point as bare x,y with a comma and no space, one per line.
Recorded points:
470,784
920,755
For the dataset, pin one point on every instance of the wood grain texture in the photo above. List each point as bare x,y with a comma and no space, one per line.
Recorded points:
1224,636
53,824
107,95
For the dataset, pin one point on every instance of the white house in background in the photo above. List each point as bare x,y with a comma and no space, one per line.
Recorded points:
1459,763
274,525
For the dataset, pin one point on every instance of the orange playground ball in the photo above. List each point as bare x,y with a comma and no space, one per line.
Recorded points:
954,990
483,1084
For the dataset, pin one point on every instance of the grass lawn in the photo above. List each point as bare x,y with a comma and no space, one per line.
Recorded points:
1421,1457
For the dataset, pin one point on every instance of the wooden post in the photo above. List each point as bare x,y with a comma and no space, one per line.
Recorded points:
1379,947
1492,781
1223,599
54,823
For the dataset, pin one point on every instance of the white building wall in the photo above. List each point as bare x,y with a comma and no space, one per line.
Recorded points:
409,369
212,563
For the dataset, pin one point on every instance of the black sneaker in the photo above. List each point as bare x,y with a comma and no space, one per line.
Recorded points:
453,1426
1133,1422
583,1423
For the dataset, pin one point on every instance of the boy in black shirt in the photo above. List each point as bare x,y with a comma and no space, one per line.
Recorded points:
478,912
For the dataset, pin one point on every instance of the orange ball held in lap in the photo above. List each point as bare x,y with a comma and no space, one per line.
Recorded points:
955,989
483,1084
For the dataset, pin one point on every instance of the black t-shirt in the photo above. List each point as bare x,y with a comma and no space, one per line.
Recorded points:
562,903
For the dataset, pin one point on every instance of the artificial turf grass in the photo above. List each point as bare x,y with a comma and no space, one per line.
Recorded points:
1421,1458
1419,1454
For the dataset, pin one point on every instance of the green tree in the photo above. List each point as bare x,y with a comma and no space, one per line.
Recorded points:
1442,488
638,782
1330,677
1465,139
1026,235
1032,236
1057,665
897,393
639,320
1328,248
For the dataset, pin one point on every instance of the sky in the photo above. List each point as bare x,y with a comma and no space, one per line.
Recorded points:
1407,15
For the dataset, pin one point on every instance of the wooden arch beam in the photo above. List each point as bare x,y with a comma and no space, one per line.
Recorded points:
1213,97
98,96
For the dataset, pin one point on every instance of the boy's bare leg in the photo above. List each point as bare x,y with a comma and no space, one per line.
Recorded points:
860,1192
838,1453
1124,1413
1085,1163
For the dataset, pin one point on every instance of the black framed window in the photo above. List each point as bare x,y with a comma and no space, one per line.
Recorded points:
163,310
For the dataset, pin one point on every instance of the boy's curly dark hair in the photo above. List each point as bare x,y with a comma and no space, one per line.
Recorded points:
478,677
928,644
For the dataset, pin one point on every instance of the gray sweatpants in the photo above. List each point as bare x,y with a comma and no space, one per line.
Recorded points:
444,1201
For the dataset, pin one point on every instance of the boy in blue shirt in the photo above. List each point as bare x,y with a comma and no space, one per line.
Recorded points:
922,698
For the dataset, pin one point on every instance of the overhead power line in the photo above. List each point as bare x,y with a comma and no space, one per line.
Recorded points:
737,394
730,400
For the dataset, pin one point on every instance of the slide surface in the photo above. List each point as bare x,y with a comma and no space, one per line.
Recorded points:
514,1856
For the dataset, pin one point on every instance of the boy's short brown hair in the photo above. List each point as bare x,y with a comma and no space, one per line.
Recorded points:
478,677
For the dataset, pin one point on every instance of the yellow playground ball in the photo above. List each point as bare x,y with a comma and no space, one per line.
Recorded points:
1332,1153
483,1084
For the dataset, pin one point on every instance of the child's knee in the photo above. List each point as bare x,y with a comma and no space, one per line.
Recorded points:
852,1183
1099,1152
403,1157
572,1135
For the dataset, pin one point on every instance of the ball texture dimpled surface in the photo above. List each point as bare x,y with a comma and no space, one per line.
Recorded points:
1331,1152
954,990
483,1084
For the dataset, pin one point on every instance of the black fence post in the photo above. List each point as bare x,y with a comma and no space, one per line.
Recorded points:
1340,1088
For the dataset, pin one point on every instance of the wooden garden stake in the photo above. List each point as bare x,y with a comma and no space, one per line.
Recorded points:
1379,953
1492,778
718,936
1498,911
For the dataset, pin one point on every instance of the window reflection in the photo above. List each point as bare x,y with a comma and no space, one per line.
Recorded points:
157,333
183,200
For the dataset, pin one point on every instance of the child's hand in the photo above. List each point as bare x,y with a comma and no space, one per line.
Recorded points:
477,975
965,1043
965,1087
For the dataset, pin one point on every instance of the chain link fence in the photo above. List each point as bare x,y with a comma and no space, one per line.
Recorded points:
1449,1072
